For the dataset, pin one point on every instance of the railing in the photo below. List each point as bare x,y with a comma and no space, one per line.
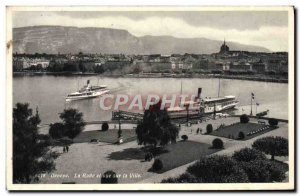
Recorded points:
126,115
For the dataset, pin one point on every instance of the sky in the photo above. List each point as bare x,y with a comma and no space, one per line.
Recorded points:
268,29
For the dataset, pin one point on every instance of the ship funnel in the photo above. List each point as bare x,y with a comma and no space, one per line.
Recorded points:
199,93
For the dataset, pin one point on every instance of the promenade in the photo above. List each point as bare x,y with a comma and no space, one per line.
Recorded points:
127,160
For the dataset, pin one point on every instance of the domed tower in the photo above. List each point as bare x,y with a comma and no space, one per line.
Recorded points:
224,48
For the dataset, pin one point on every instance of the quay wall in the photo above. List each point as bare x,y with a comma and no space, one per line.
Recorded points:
264,118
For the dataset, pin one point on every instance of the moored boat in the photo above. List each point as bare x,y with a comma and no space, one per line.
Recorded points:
207,105
217,104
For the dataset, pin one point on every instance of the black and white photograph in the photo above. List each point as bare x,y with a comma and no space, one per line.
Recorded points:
150,98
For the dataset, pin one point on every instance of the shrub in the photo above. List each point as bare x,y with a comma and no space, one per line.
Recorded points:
184,137
277,171
183,178
263,171
56,130
274,146
218,169
148,156
255,172
109,177
273,122
104,126
248,154
217,143
209,128
244,118
241,135
157,165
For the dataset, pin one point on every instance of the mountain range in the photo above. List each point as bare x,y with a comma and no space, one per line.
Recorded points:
63,39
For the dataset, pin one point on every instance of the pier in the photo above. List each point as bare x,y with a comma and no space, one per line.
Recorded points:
126,117
178,117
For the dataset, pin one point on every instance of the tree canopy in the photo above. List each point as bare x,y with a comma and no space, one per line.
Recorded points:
218,169
248,154
263,171
31,155
156,127
274,146
56,130
73,122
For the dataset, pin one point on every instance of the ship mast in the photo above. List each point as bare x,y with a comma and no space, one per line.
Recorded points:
181,87
180,92
219,87
77,85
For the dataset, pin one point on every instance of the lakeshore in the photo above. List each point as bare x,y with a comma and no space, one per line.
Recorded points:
259,78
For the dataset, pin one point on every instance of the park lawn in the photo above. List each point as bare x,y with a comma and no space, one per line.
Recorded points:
232,131
109,136
183,152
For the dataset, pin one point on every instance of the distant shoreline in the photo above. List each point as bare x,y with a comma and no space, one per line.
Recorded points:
259,78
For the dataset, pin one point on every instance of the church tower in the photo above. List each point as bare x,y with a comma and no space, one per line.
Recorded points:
224,48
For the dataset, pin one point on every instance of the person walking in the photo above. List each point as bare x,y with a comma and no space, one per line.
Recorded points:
64,150
67,148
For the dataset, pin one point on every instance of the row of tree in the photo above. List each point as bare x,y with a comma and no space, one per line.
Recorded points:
84,66
71,66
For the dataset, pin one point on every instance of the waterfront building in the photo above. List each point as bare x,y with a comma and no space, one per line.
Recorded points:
19,63
25,63
219,66
201,64
161,66
240,66
276,62
154,58
181,65
259,67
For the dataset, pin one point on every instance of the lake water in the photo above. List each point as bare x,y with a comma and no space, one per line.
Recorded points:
49,92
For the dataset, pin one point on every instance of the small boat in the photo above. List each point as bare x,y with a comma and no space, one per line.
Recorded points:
261,114
87,92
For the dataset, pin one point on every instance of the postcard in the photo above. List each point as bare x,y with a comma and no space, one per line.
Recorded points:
150,98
